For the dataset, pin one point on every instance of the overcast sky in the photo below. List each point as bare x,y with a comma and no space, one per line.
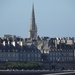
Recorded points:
54,18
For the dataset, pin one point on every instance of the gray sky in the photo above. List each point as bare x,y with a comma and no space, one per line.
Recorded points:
54,18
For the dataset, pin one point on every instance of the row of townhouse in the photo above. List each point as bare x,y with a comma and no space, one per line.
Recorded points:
48,49
25,53
58,55
61,55
31,53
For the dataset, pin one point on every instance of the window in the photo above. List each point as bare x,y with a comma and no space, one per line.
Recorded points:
24,55
13,50
53,54
35,55
28,59
28,55
24,60
8,50
56,54
21,55
35,50
67,58
59,53
16,50
16,59
4,54
32,55
24,50
63,58
3,50
38,55
16,55
8,54
50,53
20,50
32,50
64,54
53,58
13,54
70,58
50,58
13,59
57,58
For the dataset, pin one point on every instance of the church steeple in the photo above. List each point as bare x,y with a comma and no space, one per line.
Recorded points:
33,27
32,21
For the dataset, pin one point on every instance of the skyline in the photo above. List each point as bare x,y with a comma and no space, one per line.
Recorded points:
56,16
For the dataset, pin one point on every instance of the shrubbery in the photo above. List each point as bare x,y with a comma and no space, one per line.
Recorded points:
21,65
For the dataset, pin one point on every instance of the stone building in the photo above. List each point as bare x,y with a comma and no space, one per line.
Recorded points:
53,49
15,50
25,54
61,55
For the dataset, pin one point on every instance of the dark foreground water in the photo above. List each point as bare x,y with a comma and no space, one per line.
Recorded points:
35,72
38,74
56,74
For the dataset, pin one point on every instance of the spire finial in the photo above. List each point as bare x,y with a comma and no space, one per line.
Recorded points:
33,4
33,15
33,8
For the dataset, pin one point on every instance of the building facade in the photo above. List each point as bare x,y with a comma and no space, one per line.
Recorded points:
61,55
22,54
14,49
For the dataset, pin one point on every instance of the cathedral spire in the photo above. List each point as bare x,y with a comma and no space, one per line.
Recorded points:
33,28
32,23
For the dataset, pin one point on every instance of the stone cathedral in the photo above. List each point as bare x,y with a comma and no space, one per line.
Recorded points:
33,28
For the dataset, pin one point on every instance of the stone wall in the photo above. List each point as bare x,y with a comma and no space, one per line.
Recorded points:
59,65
